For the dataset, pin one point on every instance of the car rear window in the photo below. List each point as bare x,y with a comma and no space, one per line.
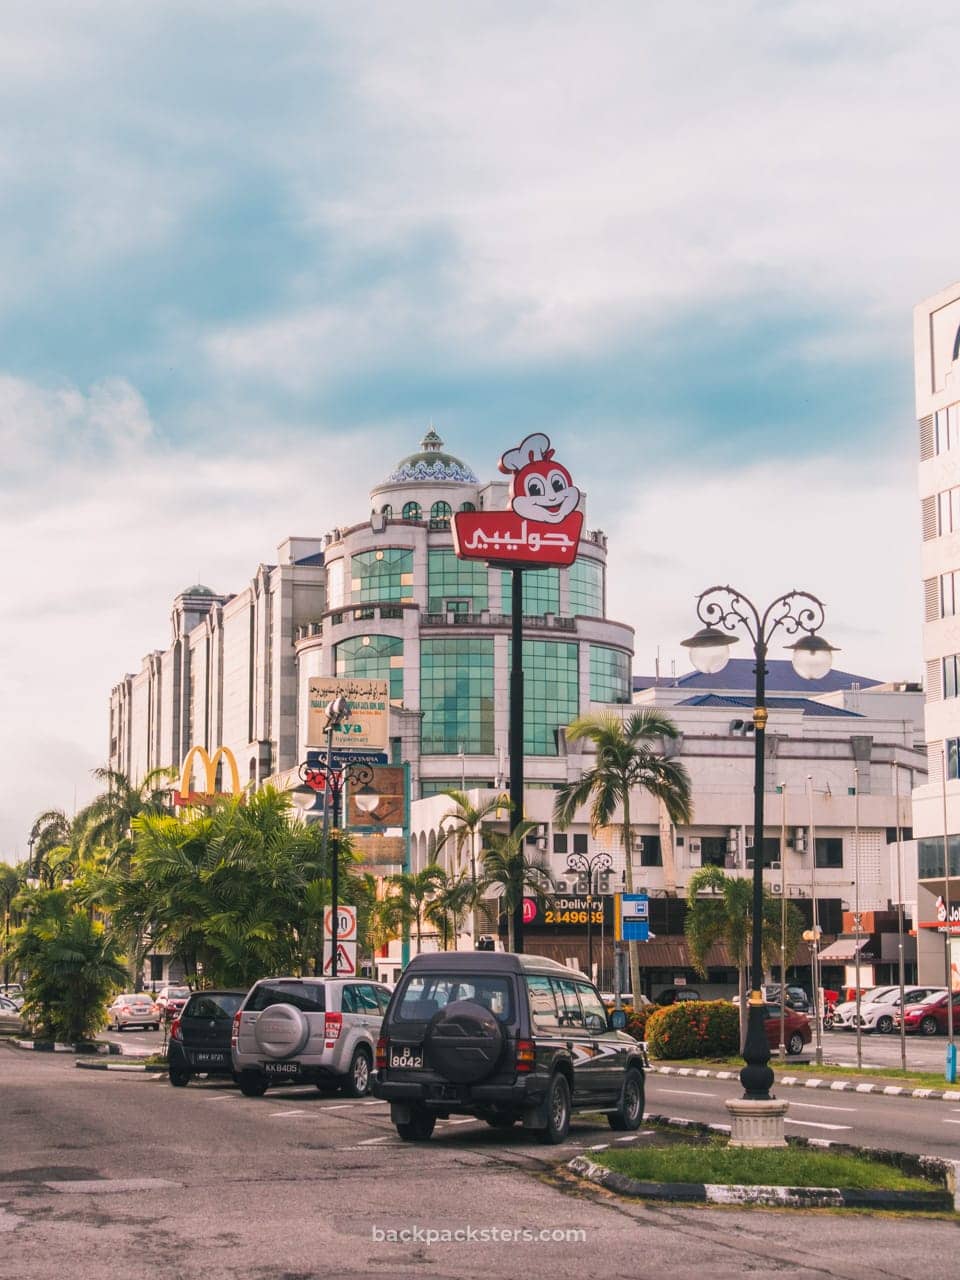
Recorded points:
305,996
219,1007
422,995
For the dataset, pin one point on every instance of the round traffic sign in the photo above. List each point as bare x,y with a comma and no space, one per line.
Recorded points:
346,922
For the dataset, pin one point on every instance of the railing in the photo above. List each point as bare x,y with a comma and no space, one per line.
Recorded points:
546,622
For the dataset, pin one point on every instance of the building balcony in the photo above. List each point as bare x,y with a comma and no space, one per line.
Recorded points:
531,622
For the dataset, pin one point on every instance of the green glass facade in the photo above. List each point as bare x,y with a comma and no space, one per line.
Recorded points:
541,592
374,658
453,579
551,690
456,696
609,675
381,575
586,588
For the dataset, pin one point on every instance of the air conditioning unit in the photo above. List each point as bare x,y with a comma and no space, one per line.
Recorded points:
604,880
800,839
749,864
774,866
541,842
562,886
776,888
694,846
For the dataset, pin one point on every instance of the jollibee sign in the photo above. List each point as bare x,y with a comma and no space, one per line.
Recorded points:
542,525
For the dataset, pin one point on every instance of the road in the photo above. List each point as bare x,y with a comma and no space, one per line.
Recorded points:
118,1174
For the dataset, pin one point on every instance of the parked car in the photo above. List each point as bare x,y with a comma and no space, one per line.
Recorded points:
878,1015
609,998
10,1018
796,1028
930,1016
318,1031
507,1038
670,995
797,998
845,1012
133,1010
13,991
171,1001
200,1036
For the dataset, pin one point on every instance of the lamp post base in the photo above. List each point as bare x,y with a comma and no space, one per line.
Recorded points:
755,1123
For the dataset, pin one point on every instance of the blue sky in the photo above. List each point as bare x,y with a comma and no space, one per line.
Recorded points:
245,248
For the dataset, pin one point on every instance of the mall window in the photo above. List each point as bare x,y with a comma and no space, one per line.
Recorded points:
771,850
829,852
335,584
951,681
948,511
381,575
609,674
946,427
580,842
550,692
467,506
541,592
412,511
713,851
559,842
586,589
387,511
651,854
456,696
952,747
440,514
374,658
949,594
452,579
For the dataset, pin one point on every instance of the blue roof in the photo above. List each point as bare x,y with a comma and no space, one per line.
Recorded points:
806,705
315,558
781,677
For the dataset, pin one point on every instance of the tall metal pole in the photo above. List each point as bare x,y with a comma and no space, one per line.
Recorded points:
856,909
815,945
951,1047
782,1047
334,870
903,1029
516,738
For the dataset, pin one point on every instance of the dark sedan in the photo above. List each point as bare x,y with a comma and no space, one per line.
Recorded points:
200,1036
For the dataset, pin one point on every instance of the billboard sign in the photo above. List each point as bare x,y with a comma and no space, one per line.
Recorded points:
567,912
366,728
541,527
209,795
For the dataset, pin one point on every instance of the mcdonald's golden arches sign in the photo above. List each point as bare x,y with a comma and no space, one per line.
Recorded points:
187,796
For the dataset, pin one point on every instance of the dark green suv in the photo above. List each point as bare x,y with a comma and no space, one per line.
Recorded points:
507,1038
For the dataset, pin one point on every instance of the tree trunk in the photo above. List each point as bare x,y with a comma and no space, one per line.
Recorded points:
667,851
632,947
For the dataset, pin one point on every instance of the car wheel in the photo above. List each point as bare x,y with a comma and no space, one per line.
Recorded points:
252,1084
795,1043
629,1112
117,1027
356,1083
929,1026
885,1024
558,1111
178,1077
419,1127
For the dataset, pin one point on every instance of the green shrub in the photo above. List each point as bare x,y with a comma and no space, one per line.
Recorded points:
694,1029
636,1019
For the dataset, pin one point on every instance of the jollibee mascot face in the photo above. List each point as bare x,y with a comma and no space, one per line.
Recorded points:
540,489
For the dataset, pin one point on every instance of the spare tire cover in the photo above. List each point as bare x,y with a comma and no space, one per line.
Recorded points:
464,1042
281,1030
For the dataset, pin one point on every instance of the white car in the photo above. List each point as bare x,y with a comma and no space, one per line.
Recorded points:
879,1015
134,1010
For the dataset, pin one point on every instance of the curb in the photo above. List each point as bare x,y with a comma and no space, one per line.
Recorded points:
817,1082
85,1046
776,1197
117,1066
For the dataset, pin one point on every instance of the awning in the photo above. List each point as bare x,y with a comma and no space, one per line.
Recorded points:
844,949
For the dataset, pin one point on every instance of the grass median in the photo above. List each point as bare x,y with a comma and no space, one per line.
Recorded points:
866,1075
713,1160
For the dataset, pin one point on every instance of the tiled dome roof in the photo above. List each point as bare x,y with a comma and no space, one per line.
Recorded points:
431,463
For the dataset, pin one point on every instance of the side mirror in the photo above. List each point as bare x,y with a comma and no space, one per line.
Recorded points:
618,1020
594,1023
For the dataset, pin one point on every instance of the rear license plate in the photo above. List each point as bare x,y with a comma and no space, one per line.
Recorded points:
213,1056
281,1068
405,1059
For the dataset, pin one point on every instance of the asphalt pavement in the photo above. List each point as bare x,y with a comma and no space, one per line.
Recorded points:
122,1175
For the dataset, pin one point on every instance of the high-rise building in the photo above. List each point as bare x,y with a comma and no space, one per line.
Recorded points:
936,805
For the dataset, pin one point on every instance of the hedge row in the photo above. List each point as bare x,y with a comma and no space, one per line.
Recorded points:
687,1029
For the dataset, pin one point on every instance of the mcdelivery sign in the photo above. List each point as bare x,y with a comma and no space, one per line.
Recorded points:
542,525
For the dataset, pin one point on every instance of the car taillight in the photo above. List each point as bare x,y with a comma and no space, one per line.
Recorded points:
332,1022
235,1033
381,1054
526,1054
175,1029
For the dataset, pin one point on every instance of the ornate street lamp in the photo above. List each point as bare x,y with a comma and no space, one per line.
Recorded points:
723,611
329,776
581,863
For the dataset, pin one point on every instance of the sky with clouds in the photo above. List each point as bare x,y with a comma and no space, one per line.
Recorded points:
249,250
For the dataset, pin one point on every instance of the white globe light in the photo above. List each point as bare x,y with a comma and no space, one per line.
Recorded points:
812,657
709,650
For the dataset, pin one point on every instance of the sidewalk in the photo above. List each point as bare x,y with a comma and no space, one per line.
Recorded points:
818,1082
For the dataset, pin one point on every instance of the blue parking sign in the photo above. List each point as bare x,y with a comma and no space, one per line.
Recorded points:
632,917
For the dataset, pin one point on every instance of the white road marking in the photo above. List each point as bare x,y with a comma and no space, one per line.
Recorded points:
688,1093
337,1106
111,1186
633,1137
460,1120
288,1113
951,1122
812,1124
222,1097
821,1106
369,1142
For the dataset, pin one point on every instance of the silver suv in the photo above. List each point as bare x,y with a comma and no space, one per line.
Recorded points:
318,1031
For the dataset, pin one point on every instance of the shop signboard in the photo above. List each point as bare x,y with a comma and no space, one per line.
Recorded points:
366,729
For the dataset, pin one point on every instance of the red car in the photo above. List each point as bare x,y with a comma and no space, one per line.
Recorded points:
171,1001
930,1017
796,1028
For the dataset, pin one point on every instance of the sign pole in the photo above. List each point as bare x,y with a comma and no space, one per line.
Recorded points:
516,740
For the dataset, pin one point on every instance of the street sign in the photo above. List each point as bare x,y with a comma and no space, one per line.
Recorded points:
346,923
632,917
339,758
346,960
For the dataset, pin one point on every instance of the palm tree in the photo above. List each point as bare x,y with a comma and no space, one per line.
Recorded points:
50,840
506,866
447,909
629,758
10,882
461,826
411,890
107,821
720,909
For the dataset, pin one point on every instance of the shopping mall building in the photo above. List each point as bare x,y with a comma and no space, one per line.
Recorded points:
387,598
